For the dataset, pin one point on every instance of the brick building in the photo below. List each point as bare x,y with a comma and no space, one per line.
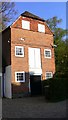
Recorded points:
28,55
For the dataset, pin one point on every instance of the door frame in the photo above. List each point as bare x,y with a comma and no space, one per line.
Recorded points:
30,73
34,75
32,70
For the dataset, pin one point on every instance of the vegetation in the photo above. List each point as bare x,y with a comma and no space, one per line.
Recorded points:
56,88
60,39
7,13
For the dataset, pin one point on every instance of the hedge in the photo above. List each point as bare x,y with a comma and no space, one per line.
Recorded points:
57,88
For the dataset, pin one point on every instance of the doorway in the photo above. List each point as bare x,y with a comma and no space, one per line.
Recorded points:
34,59
35,85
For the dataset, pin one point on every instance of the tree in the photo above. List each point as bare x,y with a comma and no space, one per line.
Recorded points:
60,41
7,13
58,32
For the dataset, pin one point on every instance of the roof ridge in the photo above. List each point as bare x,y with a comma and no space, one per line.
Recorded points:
30,15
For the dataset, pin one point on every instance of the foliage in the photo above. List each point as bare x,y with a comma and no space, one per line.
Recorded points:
53,22
58,85
61,55
61,52
57,89
7,13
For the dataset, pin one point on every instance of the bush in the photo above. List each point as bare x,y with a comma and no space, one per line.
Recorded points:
45,83
61,74
58,88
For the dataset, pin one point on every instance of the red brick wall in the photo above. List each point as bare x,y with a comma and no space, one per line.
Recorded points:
33,24
32,38
39,40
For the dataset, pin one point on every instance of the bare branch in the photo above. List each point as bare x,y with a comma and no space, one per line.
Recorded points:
7,10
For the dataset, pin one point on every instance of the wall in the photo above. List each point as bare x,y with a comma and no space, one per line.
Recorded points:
6,61
33,24
0,84
7,83
6,47
32,38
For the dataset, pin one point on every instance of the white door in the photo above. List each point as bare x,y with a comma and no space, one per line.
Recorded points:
34,60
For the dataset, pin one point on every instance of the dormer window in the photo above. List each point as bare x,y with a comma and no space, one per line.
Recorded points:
25,24
41,28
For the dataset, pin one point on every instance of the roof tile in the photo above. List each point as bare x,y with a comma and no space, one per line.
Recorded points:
30,15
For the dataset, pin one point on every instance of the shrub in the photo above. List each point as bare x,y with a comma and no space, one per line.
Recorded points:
58,88
45,83
61,74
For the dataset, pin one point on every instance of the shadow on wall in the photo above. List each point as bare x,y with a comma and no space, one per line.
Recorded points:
31,87
20,89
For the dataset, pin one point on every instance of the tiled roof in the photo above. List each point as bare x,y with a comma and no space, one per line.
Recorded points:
30,15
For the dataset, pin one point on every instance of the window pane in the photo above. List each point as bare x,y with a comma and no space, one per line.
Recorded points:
19,51
48,53
48,75
20,77
25,24
41,28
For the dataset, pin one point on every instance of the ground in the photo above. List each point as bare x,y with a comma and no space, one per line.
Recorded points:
32,107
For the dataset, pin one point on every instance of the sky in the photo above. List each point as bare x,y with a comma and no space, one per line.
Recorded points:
44,10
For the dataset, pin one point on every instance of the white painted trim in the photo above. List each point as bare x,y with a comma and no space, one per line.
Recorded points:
49,72
35,71
39,28
50,53
23,17
26,22
23,76
22,51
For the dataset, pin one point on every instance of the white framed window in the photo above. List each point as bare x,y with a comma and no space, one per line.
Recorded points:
48,75
19,51
47,53
25,24
20,76
41,28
